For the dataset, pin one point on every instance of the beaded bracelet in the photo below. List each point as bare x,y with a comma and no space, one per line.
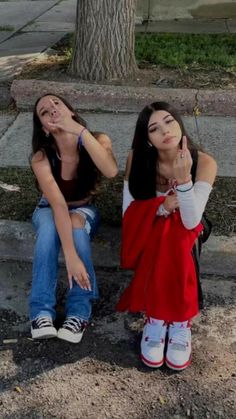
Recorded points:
80,139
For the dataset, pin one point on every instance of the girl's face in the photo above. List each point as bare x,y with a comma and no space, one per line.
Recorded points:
49,109
164,131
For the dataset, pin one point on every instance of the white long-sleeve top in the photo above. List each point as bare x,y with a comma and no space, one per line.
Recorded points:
192,201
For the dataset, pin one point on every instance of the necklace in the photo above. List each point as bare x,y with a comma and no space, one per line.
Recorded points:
66,161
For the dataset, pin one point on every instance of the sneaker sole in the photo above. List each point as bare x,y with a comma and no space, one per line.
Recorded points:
178,367
69,336
44,333
151,363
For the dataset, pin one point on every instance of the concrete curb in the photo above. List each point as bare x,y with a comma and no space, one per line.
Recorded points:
109,98
17,240
17,243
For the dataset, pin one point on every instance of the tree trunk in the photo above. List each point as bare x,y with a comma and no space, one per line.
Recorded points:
104,40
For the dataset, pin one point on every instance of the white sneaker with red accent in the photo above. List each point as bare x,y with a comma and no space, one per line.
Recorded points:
178,355
153,343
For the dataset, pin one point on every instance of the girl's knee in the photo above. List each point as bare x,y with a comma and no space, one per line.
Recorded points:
77,220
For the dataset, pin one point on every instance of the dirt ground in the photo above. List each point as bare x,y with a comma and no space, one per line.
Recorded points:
54,68
103,377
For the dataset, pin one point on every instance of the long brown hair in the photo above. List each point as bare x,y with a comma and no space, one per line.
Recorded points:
87,173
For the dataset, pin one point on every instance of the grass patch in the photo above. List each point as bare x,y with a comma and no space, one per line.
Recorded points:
7,28
187,50
180,51
20,205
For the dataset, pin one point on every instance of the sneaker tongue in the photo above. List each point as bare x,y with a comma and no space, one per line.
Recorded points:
155,321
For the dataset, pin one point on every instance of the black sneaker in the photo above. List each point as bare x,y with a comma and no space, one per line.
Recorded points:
72,329
42,328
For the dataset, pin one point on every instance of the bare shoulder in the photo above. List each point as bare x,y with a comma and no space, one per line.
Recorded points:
40,164
104,140
206,168
38,157
206,161
128,164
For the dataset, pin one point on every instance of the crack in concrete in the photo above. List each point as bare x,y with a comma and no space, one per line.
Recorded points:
196,111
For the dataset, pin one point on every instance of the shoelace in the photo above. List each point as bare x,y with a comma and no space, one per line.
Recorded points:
43,322
74,324
180,338
156,334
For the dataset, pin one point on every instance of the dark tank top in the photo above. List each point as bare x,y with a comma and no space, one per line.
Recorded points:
75,189
69,189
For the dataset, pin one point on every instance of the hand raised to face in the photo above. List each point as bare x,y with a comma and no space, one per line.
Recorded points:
183,163
63,121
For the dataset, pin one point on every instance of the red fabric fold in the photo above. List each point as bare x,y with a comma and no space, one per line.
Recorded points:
158,249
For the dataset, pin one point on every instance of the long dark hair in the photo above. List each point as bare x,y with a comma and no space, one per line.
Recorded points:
87,173
144,168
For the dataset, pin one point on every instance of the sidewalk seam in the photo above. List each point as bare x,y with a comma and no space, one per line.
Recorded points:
9,126
19,30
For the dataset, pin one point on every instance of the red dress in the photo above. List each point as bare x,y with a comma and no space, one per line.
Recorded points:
158,249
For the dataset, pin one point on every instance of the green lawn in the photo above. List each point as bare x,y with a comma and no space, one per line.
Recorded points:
187,50
178,50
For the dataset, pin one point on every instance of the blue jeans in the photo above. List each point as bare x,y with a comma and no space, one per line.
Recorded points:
45,265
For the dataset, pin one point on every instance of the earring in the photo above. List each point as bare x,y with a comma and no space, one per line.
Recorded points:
149,144
47,134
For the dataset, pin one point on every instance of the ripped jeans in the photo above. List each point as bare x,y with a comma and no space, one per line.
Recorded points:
45,265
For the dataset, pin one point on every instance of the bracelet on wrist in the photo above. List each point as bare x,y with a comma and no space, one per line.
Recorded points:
80,139
184,190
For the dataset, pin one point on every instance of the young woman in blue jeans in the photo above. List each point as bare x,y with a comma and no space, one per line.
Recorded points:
67,161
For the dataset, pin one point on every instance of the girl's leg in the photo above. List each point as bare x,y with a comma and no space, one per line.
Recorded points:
45,265
79,301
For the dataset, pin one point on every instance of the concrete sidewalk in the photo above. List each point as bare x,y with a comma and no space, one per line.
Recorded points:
114,110
31,27
209,131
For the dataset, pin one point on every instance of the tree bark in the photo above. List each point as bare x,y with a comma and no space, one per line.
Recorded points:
104,40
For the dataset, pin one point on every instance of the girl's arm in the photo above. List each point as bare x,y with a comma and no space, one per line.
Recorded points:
193,198
75,267
101,153
99,150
